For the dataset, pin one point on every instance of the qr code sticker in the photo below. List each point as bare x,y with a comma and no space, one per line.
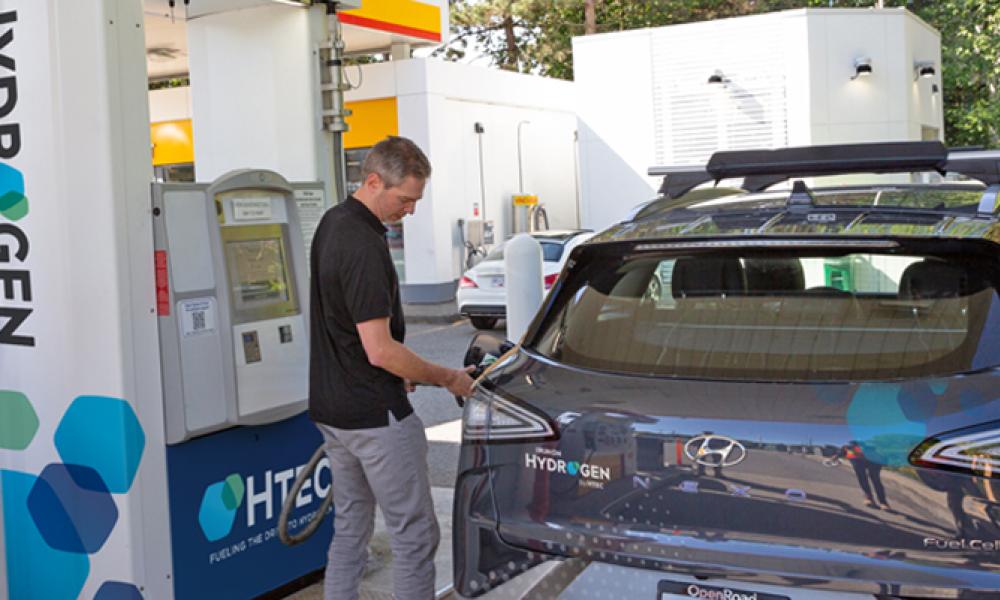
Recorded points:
198,320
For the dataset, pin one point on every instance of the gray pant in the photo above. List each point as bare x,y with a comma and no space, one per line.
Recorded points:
388,466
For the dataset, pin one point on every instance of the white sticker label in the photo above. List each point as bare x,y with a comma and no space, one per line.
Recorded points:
311,205
251,209
197,316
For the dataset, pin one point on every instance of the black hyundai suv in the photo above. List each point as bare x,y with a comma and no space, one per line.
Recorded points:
809,407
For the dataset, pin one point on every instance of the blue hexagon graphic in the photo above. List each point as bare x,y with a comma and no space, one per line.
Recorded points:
35,569
72,516
218,507
104,434
118,590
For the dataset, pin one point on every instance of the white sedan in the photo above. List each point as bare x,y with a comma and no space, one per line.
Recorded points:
482,295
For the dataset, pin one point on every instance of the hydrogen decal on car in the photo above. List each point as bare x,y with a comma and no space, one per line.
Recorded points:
551,461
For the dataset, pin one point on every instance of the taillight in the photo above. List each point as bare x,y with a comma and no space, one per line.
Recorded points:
491,417
550,280
970,452
465,282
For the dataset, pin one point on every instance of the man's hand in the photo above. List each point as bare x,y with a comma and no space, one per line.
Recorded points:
459,383
409,386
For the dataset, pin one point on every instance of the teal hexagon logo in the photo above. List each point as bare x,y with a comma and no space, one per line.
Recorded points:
18,420
13,203
103,434
218,507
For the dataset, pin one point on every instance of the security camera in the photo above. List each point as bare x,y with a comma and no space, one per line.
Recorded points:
862,67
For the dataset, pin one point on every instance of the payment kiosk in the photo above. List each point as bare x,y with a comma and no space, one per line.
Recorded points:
231,263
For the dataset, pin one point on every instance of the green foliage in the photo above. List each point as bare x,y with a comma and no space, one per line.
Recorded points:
970,53
172,82
535,36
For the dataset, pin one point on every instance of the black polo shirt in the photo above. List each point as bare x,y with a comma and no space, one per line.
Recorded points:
353,280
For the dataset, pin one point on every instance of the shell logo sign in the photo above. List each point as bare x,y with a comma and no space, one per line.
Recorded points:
405,17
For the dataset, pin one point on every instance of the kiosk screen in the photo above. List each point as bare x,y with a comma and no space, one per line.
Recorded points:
259,275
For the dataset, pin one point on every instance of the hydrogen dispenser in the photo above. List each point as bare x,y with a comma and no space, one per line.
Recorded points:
231,263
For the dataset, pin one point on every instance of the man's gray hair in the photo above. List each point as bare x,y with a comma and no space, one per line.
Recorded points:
394,159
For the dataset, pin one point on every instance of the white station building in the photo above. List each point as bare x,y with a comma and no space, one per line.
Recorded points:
791,78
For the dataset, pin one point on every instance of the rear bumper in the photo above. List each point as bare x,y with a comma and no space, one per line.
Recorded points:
483,310
835,572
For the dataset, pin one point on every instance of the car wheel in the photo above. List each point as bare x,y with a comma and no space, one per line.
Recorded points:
483,322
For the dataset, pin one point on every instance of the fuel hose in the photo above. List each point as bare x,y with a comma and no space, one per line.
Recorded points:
290,539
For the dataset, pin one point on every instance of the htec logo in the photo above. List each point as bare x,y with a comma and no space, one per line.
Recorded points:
558,465
14,243
263,495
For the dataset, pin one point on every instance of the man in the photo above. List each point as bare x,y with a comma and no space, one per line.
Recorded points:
360,372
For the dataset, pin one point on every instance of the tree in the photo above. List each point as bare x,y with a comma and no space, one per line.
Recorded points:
970,56
535,36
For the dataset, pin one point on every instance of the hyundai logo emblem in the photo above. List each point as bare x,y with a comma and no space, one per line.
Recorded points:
715,451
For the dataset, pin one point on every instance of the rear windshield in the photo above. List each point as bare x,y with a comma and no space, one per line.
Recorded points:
551,252
815,316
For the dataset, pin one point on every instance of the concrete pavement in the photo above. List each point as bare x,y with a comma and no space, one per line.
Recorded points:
377,584
444,312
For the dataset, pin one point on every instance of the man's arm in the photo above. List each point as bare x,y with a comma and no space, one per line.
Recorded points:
386,353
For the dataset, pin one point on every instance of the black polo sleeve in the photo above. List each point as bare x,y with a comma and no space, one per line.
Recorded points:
366,283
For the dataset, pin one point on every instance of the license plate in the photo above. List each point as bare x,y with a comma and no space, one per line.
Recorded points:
668,590
497,282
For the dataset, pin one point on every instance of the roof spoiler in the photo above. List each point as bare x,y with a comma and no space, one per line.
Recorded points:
761,169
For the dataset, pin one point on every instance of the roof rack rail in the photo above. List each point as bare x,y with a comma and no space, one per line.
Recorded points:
761,169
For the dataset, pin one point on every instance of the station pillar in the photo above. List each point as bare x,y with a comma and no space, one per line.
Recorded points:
255,91
82,467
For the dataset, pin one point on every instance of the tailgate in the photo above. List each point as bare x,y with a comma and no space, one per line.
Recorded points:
752,476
